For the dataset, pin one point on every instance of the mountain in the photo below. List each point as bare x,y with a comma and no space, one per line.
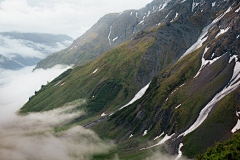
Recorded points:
27,49
115,29
172,87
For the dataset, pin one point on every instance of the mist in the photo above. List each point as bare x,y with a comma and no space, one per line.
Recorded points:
33,136
11,47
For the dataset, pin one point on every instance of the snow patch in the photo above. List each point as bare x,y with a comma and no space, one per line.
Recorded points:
130,135
95,70
168,14
114,39
158,136
158,24
103,114
136,15
162,140
201,38
212,55
131,14
213,4
231,86
57,83
183,1
178,106
233,57
137,96
237,113
236,127
237,36
149,12
145,132
194,4
141,22
174,17
109,36
222,31
161,7
62,84
237,10
179,151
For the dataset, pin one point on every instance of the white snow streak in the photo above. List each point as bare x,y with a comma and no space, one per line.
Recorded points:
137,96
161,7
183,1
145,132
179,151
158,136
174,18
136,15
237,10
130,135
213,4
178,106
237,36
232,85
206,62
95,71
233,57
57,83
236,127
201,38
194,5
149,12
131,14
103,114
141,22
162,141
222,31
109,36
168,14
114,39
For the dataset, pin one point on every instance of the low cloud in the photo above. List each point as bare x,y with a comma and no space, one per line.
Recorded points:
17,86
33,136
10,47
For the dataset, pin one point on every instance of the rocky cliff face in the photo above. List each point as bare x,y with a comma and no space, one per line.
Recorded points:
117,28
187,50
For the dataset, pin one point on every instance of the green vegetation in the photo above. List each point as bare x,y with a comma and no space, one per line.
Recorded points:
226,150
219,123
116,70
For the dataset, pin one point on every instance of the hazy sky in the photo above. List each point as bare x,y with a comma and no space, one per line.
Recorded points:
72,17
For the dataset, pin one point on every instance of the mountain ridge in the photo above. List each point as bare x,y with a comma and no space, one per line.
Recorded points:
186,96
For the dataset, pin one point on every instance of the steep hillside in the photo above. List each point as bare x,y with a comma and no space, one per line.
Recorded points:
187,72
117,28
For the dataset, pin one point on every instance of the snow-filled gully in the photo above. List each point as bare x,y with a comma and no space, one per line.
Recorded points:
202,37
137,96
231,86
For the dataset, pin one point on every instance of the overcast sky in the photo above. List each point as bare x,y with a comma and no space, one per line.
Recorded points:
71,17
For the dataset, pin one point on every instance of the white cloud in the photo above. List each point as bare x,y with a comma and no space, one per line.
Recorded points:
72,17
17,86
32,136
11,47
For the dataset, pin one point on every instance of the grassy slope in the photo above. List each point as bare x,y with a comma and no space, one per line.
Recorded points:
219,124
119,65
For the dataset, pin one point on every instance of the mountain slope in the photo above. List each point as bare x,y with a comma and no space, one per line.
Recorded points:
117,28
192,64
